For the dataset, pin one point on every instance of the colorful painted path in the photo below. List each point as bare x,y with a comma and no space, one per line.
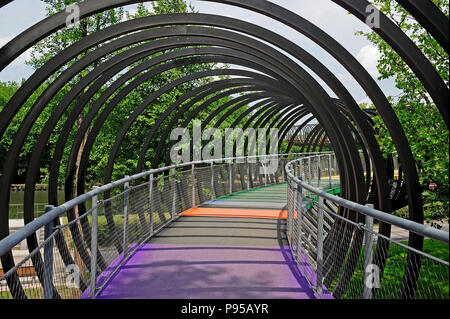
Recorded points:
230,248
209,255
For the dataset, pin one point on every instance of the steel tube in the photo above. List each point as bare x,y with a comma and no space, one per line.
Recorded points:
94,244
410,225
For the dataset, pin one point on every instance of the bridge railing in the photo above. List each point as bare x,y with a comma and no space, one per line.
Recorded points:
339,249
81,251
16,211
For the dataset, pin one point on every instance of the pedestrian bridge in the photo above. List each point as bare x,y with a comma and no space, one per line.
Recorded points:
233,247
222,230
318,226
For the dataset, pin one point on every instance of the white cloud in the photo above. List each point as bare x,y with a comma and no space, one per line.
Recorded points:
368,56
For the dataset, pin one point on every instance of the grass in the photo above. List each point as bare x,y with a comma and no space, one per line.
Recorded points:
104,237
38,293
433,279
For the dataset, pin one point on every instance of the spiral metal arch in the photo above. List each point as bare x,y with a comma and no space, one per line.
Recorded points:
282,93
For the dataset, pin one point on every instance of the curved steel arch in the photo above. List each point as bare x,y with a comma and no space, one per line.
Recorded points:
85,99
194,112
237,103
431,18
132,117
408,51
298,130
87,9
266,115
133,72
320,103
387,30
129,121
30,188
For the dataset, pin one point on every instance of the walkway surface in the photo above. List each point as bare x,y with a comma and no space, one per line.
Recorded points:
231,248
214,257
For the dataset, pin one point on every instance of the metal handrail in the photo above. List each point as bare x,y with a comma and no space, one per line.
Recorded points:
406,224
7,243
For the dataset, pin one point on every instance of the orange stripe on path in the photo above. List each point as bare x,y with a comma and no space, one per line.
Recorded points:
236,212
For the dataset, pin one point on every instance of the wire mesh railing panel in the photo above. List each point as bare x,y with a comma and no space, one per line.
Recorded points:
168,197
346,261
220,185
71,273
25,280
76,235
256,178
240,172
55,269
204,184
342,257
409,274
433,281
160,212
140,210
86,251
184,184
223,178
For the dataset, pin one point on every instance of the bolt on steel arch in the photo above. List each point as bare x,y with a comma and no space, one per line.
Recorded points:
280,91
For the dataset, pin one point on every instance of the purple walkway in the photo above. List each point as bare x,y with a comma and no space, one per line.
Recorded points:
174,271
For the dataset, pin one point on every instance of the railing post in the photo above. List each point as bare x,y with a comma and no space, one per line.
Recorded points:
329,171
265,174
150,206
125,218
174,194
193,184
318,171
309,171
230,172
94,244
319,278
248,174
299,221
291,210
368,253
335,164
212,180
48,258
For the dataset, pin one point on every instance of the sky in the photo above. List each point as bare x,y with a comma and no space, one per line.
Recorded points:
21,14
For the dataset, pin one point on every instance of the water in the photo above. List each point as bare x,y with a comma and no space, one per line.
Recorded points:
16,197
40,200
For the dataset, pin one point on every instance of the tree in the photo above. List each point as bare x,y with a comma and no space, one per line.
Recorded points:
424,127
52,45
7,90
127,158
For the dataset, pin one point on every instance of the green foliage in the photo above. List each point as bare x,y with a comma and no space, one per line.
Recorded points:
433,276
52,45
424,127
126,161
